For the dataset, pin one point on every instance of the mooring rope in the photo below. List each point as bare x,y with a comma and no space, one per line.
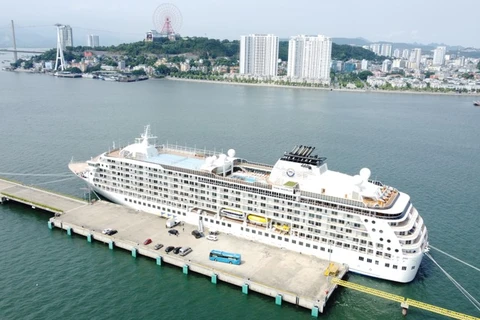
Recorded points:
470,298
449,255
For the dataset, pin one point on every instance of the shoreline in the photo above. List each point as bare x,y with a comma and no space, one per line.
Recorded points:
324,89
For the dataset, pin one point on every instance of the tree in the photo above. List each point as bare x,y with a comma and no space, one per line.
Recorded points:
478,65
163,70
28,64
140,72
363,75
74,70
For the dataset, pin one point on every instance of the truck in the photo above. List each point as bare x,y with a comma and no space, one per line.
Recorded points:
173,222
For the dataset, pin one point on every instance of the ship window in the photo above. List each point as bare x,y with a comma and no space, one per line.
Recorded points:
387,265
373,221
413,267
266,234
217,222
369,260
229,225
279,238
361,258
395,266
404,268
223,223
294,241
396,250
388,241
366,220
273,236
381,239
286,240
381,231
322,249
374,230
260,233
376,262
241,228
254,231
307,245
388,248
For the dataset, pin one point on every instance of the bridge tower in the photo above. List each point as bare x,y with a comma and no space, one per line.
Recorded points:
15,57
59,47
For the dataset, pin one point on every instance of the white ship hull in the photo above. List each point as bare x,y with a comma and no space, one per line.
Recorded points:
386,243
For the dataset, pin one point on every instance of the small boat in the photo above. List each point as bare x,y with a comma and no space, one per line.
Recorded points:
476,103
257,219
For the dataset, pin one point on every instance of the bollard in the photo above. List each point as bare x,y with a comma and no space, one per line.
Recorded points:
185,269
159,261
50,225
278,300
245,288
69,231
111,244
315,312
89,237
214,278
134,252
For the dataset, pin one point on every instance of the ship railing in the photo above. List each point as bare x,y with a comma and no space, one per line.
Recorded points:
334,200
190,150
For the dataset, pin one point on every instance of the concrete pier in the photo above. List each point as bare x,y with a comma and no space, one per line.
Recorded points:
281,274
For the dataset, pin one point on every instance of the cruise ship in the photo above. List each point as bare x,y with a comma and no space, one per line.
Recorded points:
297,204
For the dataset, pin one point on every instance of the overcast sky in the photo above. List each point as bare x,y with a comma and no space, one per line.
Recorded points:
422,21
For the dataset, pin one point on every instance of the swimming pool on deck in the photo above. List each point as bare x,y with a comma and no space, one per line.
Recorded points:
244,178
179,161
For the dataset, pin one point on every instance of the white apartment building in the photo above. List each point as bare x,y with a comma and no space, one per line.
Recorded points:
375,47
66,36
386,65
396,53
439,56
309,58
405,54
259,55
364,65
415,58
93,40
386,50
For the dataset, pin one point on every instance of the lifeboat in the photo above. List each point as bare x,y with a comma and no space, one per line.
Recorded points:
256,219
282,227
232,213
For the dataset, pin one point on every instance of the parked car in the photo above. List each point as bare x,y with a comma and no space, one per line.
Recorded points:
177,250
196,234
148,241
211,237
109,232
169,248
158,246
173,232
185,250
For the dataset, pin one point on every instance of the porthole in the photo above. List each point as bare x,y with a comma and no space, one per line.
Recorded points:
396,250
381,239
373,230
366,220
388,249
388,240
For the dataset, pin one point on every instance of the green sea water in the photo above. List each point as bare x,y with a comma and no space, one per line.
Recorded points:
425,145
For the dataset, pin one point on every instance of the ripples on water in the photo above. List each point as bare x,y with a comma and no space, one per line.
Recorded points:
426,146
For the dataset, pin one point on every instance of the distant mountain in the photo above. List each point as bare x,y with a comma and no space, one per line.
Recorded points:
26,39
352,41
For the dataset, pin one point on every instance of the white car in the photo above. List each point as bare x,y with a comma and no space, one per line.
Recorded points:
211,237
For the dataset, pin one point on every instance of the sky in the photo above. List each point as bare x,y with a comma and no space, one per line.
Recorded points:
421,21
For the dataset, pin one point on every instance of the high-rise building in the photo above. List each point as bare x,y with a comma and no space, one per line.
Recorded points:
396,53
309,57
439,56
365,64
259,54
66,36
386,65
415,57
93,41
375,47
405,54
386,50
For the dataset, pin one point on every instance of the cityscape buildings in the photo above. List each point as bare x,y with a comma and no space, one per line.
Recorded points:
415,58
259,55
309,58
93,41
